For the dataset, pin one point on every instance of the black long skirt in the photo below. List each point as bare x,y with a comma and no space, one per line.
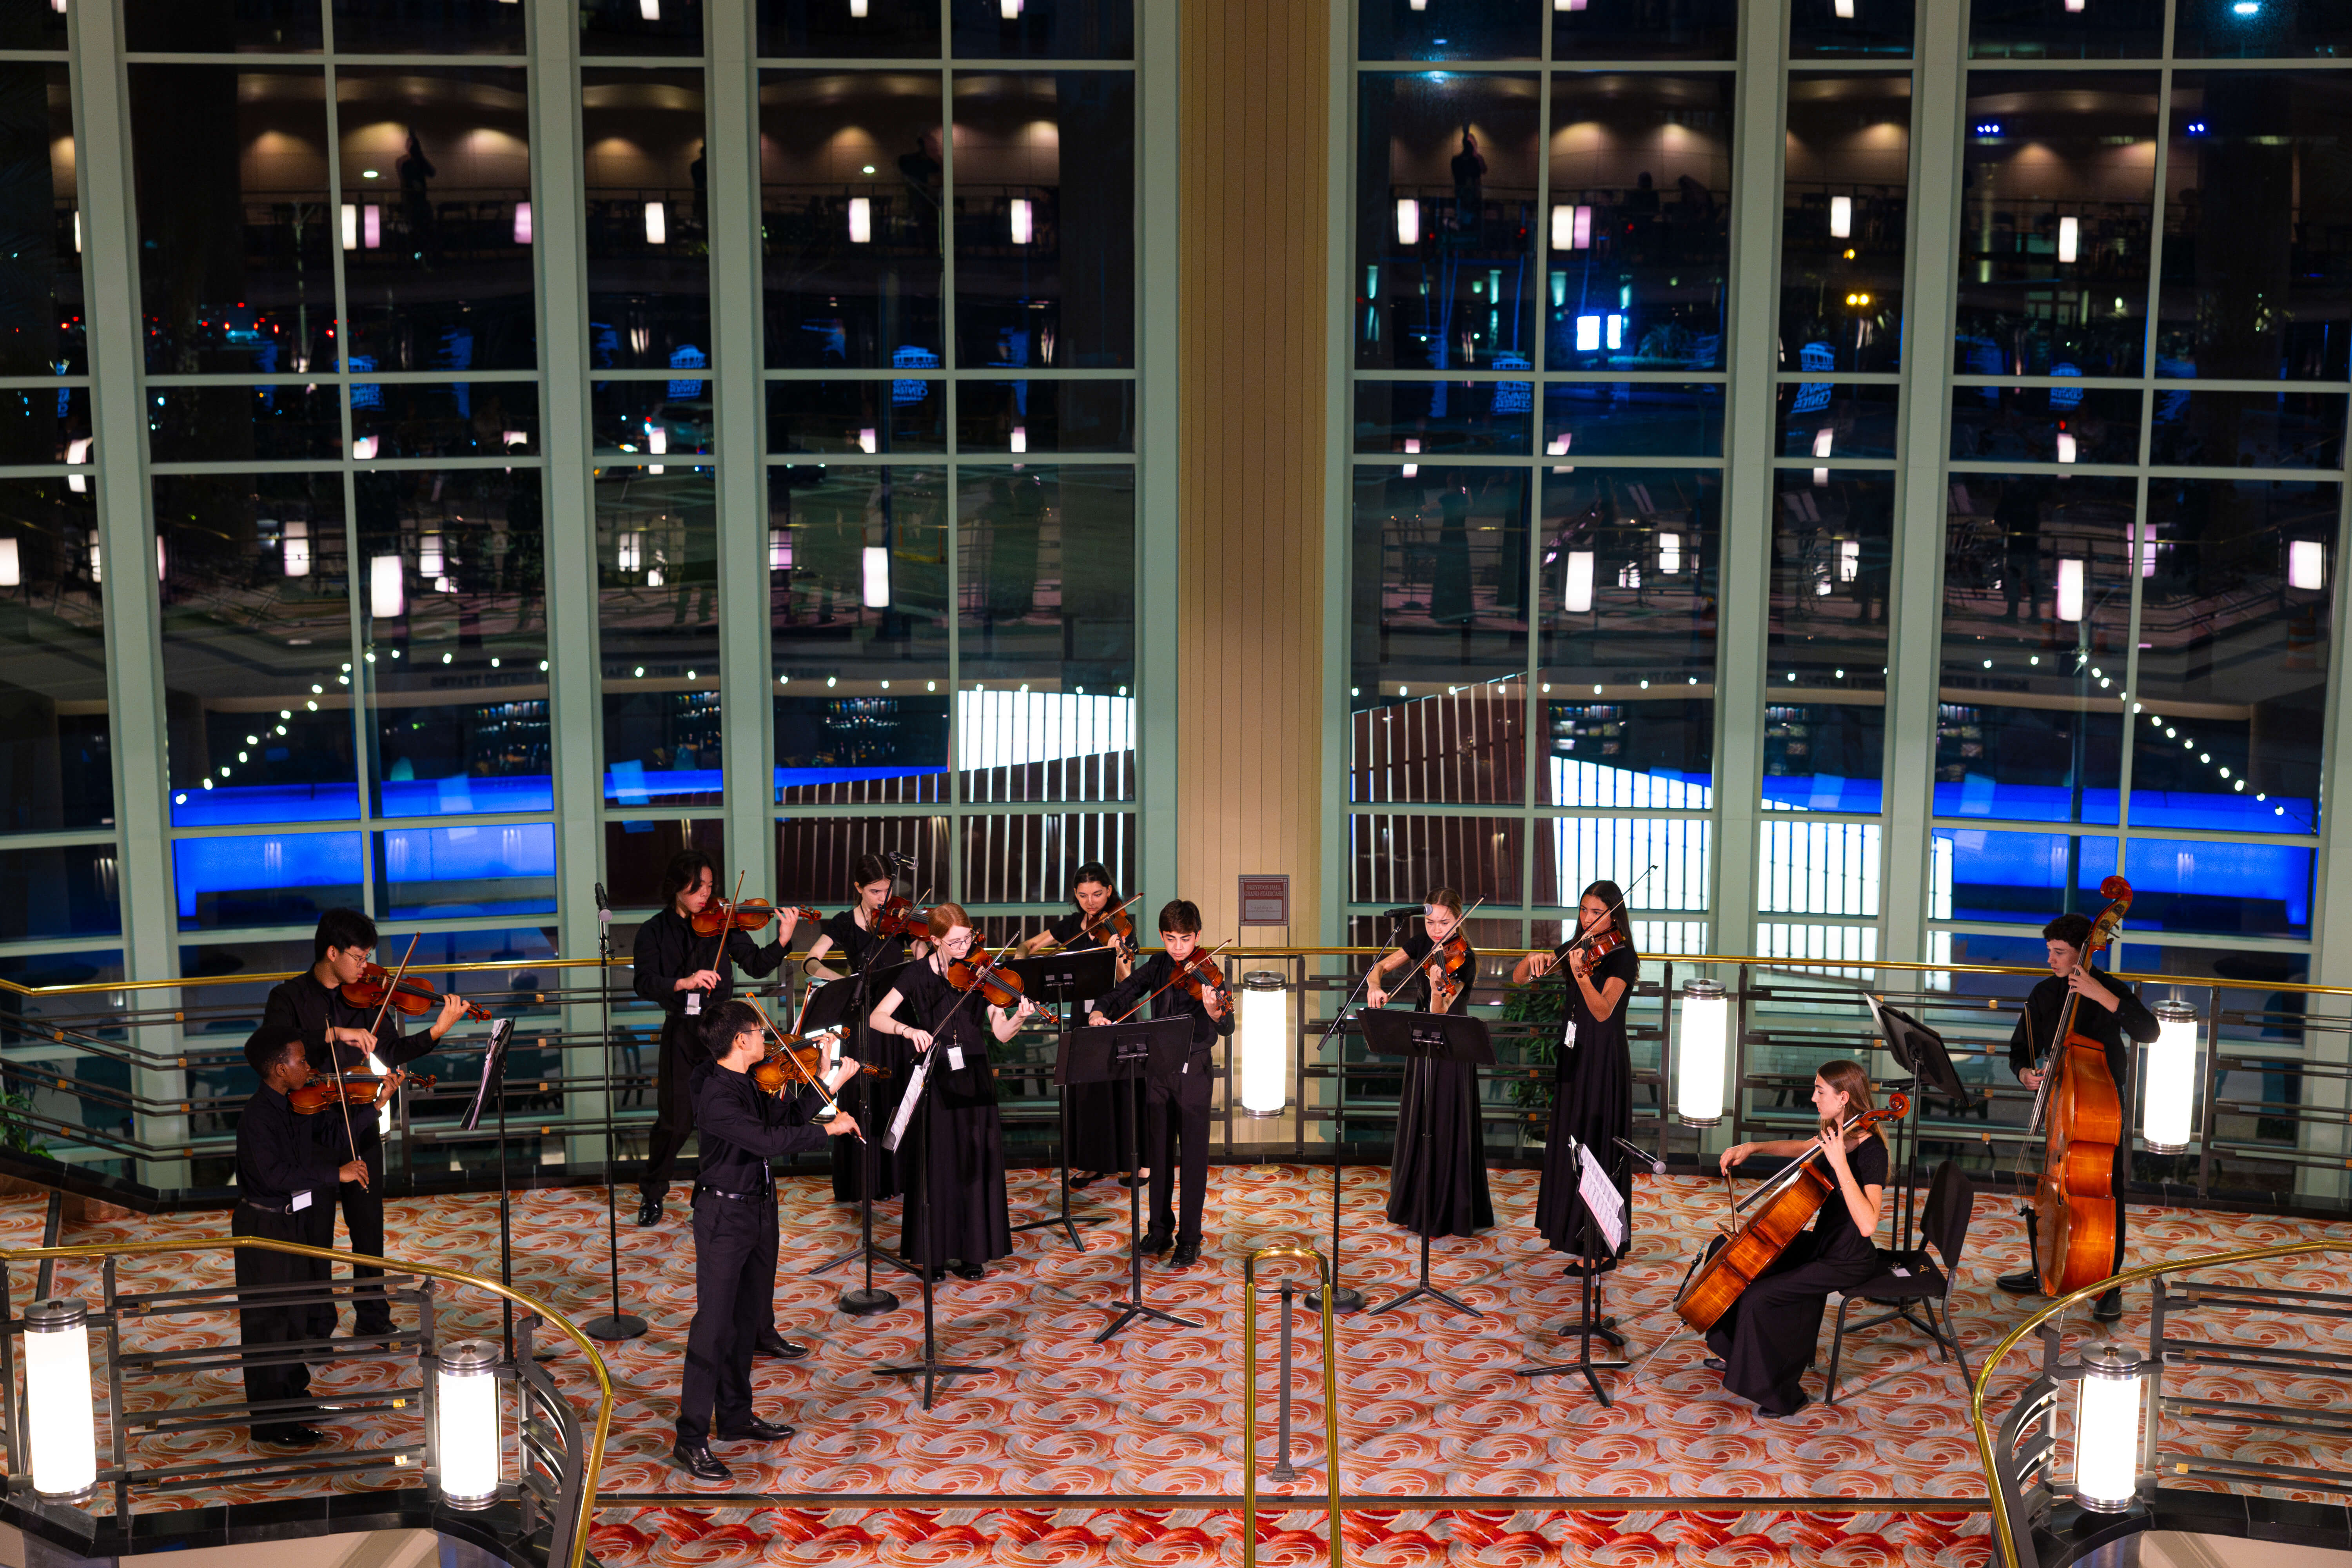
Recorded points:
1769,1338
1099,1139
874,1101
1443,1096
1593,1103
966,1184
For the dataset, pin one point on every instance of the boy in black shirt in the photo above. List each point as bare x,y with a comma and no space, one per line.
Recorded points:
2109,1011
1187,1096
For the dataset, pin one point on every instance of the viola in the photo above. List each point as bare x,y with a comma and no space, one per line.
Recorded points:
900,917
1785,1206
998,986
751,914
2079,1112
1448,965
414,996
774,1075
352,1089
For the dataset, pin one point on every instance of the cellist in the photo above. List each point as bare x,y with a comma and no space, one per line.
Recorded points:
2109,1011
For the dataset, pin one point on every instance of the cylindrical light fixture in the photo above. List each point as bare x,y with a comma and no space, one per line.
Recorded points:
1702,1042
656,224
2167,1101
1842,217
1579,594
2065,448
779,549
1408,212
1022,220
294,550
465,1423
861,220
1263,1033
2070,588
387,587
2306,563
876,577
522,222
2106,1428
2070,237
12,570
60,1421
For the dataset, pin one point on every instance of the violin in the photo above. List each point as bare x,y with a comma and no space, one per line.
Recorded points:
1204,982
355,1089
414,996
2074,1201
998,986
1112,928
1448,965
774,1075
898,917
751,914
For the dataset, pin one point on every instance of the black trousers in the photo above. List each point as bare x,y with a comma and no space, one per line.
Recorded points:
363,1217
681,1053
734,1292
272,1326
1178,1113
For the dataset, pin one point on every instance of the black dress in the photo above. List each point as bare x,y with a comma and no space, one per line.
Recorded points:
1444,1097
1767,1339
965,1188
858,948
1098,1125
1593,1103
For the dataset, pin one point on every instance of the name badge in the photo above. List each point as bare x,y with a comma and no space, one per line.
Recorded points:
301,1201
1567,1036
955,1058
694,1004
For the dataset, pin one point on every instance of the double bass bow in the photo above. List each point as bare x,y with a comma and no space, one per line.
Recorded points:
2078,1111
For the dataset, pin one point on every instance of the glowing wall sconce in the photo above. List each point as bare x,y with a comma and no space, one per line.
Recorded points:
1408,214
430,562
1022,219
78,451
294,547
629,552
866,438
97,557
1823,439
364,446
2065,446
649,9
522,222
467,1429
1010,10
858,9
1578,595
1588,334
1703,1047
350,226
60,1419
1021,437
656,224
1841,207
2306,565
1568,4
2169,1097
372,227
2070,588
861,220
387,587
1264,1028
1571,227
876,577
1669,554
1843,9
1849,560
2070,238
12,569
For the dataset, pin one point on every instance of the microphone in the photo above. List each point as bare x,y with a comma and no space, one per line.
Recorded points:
904,862
1402,912
604,910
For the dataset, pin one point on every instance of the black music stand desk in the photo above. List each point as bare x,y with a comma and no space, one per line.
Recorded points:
1426,1037
1142,1050
1062,980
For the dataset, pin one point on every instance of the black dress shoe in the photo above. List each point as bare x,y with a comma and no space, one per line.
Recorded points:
649,1212
1078,1182
755,1431
1187,1254
1157,1241
1713,1364
782,1350
968,1271
293,1436
2109,1307
697,1460
1802,1401
2024,1282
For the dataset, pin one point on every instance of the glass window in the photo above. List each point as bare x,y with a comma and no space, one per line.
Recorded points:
1827,28
1030,860
826,29
1045,416
1846,207
858,632
2054,224
257,648
1410,30
816,856
43,332
887,416
1043,29
506,869
236,267
275,422
1823,756
648,233
56,770
2249,430
175,26
1644,749
30,25
429,28
1572,852
1446,417
1633,419
1440,579
1445,182
641,26
2240,889
1639,232
44,425
435,225
2234,630
1818,868
2058,762
2226,29
1045,219
265,879
1645,29
2045,425
423,419
1825,657
647,416
2066,29
1397,860
1825,420
637,853
1046,597
851,185
1467,745
456,649
2255,283
657,619
2016,877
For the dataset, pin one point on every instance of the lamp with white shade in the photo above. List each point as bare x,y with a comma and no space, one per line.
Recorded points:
2168,1095
1263,1037
60,1418
1702,1045
466,1426
2111,1404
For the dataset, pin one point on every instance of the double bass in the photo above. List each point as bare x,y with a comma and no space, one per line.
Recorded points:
2079,1112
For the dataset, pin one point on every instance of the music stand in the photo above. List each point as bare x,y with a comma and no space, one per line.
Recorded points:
831,1005
1586,1325
1919,1051
1065,980
494,1071
1142,1050
1426,1037
932,1370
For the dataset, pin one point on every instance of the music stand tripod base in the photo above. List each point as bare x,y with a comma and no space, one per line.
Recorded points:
611,1327
1065,979
1425,1038
1139,1052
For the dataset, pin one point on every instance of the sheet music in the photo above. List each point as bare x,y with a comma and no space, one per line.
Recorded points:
1601,1197
907,1102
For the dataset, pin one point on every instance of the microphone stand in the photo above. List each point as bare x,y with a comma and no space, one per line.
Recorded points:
1343,1298
615,1324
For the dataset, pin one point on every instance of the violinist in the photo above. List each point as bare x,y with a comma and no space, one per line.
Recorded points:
855,940
287,1167
1765,1341
342,1036
955,1209
2109,1011
1444,1093
743,1129
686,974
1098,1111
1176,1115
1592,1073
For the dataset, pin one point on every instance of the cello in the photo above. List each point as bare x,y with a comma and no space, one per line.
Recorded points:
2079,1112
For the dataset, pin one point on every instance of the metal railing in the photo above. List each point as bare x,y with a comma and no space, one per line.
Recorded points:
558,1456
1249,1395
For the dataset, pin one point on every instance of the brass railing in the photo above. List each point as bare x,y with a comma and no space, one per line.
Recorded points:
1249,1397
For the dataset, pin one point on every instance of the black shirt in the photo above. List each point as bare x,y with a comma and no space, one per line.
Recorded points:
1415,993
302,1002
2037,1031
1581,1028
667,951
955,1020
1839,1236
1070,932
860,948
743,1129
279,1153
1174,1002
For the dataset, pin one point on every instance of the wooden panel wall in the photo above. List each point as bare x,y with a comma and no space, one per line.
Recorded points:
1253,107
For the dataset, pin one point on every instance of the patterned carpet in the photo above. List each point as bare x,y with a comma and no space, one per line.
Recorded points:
1074,1452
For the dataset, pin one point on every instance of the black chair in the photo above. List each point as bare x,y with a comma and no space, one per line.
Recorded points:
1922,1285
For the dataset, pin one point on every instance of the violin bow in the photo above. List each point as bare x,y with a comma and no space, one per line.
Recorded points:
726,922
1183,969
1581,937
1094,925
390,989
1464,921
832,1105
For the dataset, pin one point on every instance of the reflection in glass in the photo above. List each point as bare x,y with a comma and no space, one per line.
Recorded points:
277,421
850,190
1823,756
1832,575
2249,430
423,419
1633,418
44,425
647,417
1410,30
427,27
2066,29
816,858
268,880
437,240
658,618
2016,877
2226,29
1445,184
1645,30
2235,626
1826,420
635,853
648,229
33,25
1047,595
1583,849
255,289
2054,226
1637,748
1045,416
1441,580
1846,198
1638,240
257,648
828,29
41,326
508,869
641,26
2056,763
1030,860
1835,27
1045,219
907,414
1465,744
1447,416
1628,559
176,26
2257,284
1043,30
56,771
1398,859
2045,425
2237,889
455,644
